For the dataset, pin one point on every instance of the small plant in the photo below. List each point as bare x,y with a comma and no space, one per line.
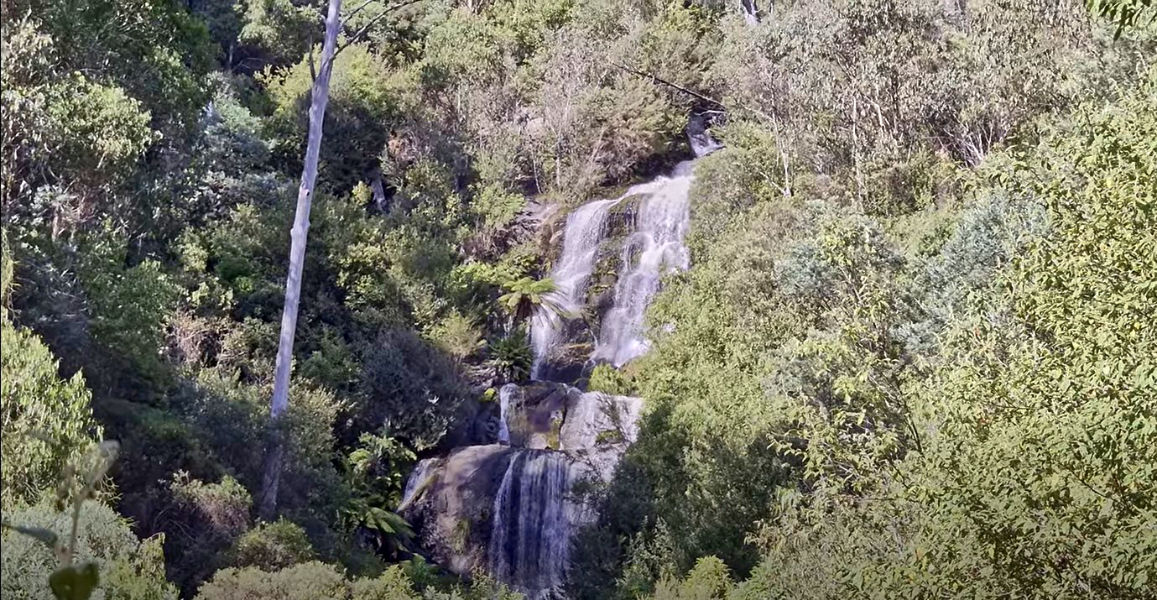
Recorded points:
609,436
78,483
511,356
376,474
609,380
525,294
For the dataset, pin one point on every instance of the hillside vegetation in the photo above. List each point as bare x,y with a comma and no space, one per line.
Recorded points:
915,355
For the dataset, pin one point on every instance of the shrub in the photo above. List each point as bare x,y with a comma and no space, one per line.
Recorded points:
607,379
129,568
307,581
511,357
47,421
128,307
411,386
708,580
200,521
272,546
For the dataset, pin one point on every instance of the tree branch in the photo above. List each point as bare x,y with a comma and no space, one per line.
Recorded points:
374,21
693,93
357,10
676,86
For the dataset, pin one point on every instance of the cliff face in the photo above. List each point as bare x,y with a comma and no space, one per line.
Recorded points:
511,509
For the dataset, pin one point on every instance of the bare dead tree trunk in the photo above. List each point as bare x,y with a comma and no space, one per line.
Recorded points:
320,97
378,189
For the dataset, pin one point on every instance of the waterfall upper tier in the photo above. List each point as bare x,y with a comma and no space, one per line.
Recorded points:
651,245
655,249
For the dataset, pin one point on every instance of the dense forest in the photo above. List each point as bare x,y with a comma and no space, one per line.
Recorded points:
914,355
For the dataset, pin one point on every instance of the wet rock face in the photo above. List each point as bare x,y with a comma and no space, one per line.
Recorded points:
511,510
451,504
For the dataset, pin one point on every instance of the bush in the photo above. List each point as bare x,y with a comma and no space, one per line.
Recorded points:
411,386
128,568
308,581
709,580
272,546
511,356
609,380
199,521
128,309
47,421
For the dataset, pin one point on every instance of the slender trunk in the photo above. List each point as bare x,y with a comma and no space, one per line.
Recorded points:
378,189
320,97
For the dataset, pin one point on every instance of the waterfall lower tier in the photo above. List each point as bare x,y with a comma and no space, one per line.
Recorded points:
534,517
512,510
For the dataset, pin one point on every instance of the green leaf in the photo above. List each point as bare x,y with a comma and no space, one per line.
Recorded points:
74,582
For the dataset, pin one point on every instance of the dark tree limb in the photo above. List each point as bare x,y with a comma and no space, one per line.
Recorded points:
675,86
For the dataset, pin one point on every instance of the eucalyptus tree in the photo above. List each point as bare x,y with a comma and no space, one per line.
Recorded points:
280,402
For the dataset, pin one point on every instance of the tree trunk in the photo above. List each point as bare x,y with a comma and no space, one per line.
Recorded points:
378,189
320,97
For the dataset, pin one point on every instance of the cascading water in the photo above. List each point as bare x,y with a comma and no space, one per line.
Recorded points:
584,231
421,475
533,519
504,396
519,503
655,249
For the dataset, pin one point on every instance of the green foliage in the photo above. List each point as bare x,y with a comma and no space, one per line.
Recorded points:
605,378
1126,13
356,117
459,336
128,305
511,356
892,282
100,132
272,546
708,580
127,568
280,28
420,407
524,295
200,522
376,476
62,554
969,416
305,581
47,421
317,580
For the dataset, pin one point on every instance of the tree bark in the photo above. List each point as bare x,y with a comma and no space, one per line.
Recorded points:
320,97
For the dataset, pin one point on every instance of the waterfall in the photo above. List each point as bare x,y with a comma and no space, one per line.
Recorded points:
533,518
504,396
520,503
584,231
654,249
423,471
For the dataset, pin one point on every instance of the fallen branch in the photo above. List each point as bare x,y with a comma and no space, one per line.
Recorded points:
692,93
676,86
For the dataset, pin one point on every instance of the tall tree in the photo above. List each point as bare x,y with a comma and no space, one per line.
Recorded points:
320,97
